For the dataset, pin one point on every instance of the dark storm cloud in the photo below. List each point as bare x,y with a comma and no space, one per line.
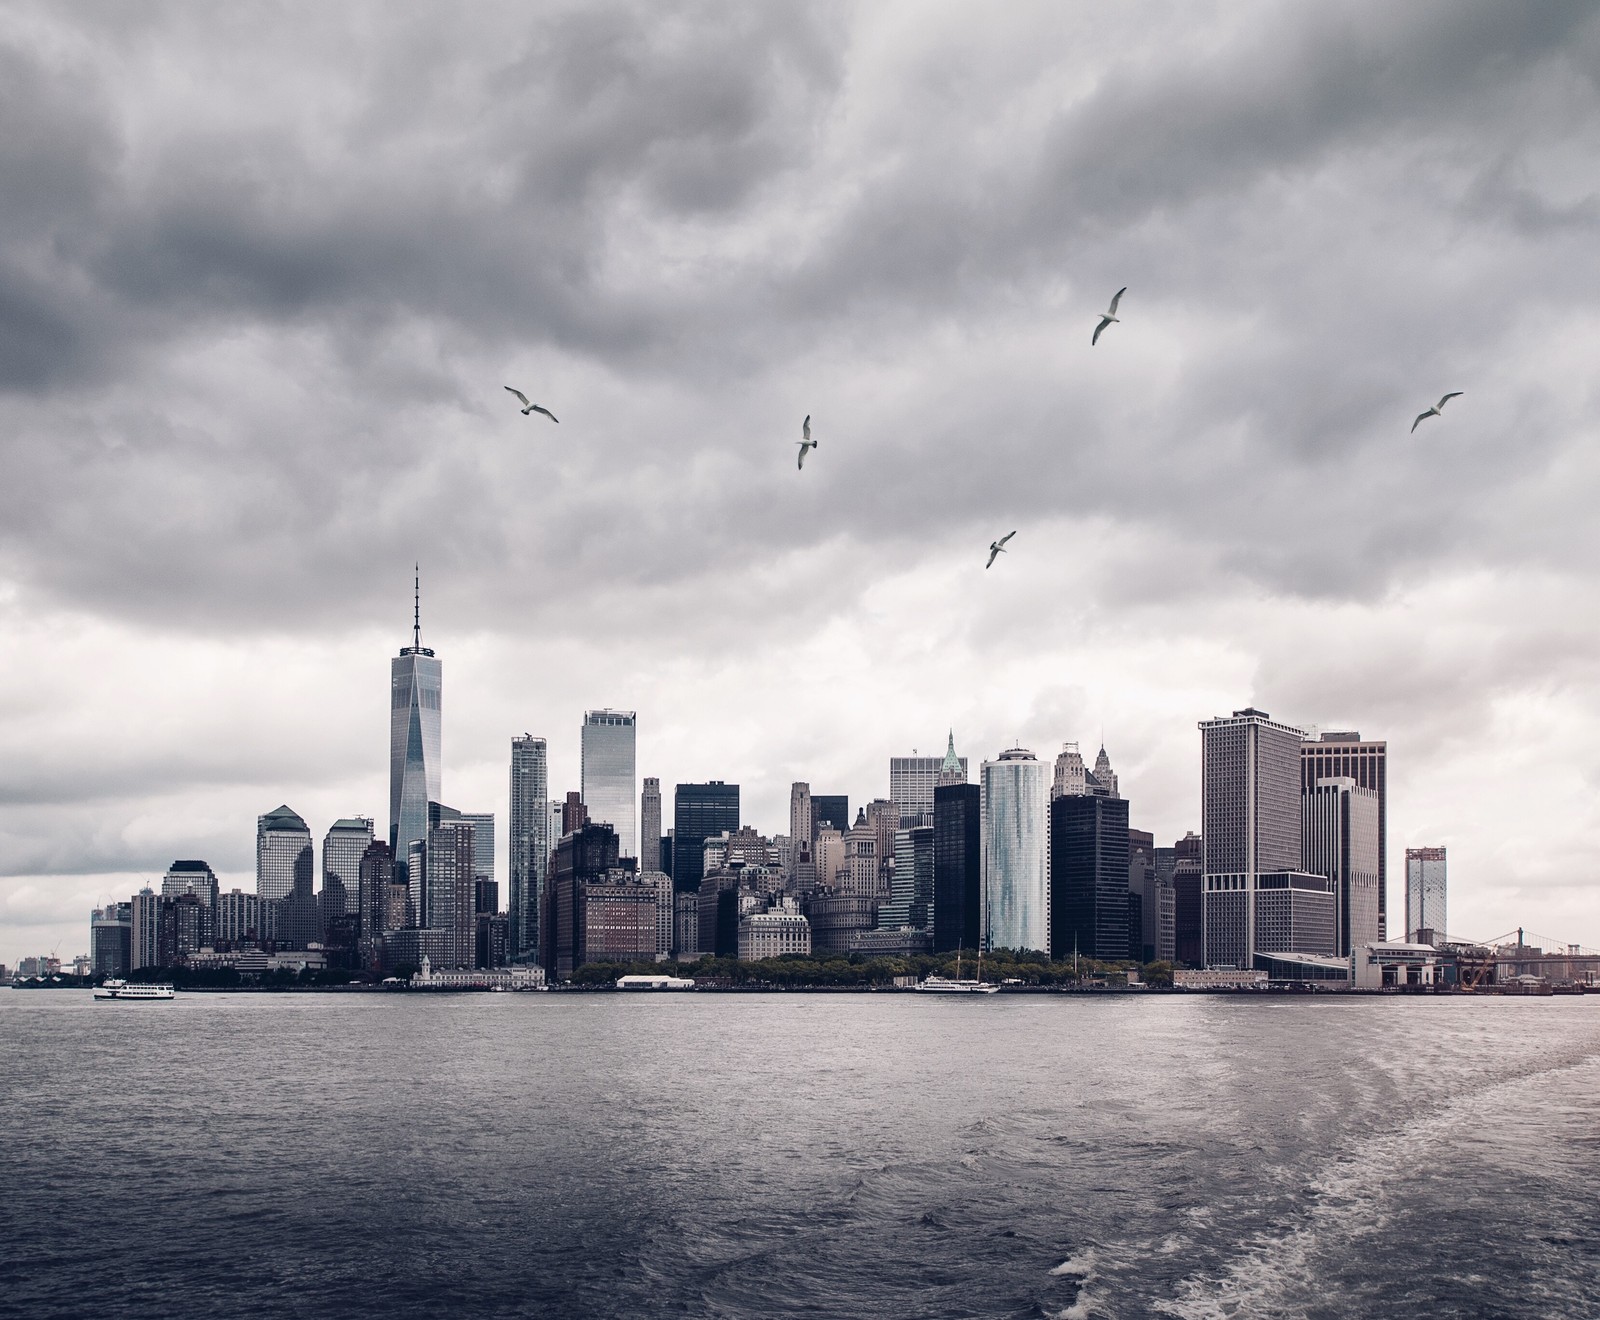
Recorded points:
612,186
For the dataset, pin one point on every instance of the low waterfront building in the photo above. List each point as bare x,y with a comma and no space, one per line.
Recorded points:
902,942
525,976
1394,964
1219,978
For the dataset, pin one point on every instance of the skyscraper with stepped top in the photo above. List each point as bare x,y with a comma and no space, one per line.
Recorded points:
415,680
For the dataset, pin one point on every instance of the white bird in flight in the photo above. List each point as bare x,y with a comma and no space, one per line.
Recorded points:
998,548
1435,410
532,407
1109,315
806,444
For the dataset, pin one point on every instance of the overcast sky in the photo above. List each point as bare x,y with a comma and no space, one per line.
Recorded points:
264,271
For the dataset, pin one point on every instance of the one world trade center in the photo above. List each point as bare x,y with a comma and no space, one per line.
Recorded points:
414,705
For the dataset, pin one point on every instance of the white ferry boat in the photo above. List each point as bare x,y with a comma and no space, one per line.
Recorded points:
115,989
944,985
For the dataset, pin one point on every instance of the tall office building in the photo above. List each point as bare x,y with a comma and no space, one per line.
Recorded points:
283,855
144,929
912,780
415,696
343,847
374,874
582,855
827,857
1074,779
802,833
191,877
1016,851
450,884
1426,917
1340,828
830,809
529,839
953,769
111,940
1188,900
699,812
911,899
610,782
957,867
1088,876
650,827
574,815
1347,754
1255,898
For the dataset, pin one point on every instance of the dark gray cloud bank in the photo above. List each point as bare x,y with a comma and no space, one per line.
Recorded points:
263,272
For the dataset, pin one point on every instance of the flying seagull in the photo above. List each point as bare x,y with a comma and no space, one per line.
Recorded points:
1109,315
997,548
807,443
532,407
1435,410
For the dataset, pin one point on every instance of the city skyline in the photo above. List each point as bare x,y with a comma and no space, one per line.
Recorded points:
755,224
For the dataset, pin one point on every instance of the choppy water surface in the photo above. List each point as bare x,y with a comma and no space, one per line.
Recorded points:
850,1155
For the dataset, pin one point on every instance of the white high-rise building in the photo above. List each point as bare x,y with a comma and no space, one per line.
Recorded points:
283,854
1425,894
415,721
912,780
610,786
1015,815
529,840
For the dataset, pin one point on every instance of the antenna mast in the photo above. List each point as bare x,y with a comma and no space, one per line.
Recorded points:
416,609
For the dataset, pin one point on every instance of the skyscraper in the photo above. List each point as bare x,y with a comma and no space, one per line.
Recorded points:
1365,760
343,847
609,778
699,812
529,841
1426,916
957,867
1340,827
1188,900
801,872
829,809
187,876
415,695
111,939
912,780
1016,851
1256,899
283,855
911,900
650,826
450,884
1088,876
374,875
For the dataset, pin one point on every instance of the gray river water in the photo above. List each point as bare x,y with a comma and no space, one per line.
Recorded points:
307,1155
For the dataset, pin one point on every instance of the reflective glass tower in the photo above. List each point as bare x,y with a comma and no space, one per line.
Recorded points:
415,680
609,774
1016,851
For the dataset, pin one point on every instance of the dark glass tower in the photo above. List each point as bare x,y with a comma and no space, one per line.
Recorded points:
957,867
1089,877
830,809
699,812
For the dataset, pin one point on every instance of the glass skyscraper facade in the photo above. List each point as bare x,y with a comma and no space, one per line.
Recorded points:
1016,851
1425,893
1365,760
415,703
283,854
609,774
699,812
957,867
343,847
529,841
1089,876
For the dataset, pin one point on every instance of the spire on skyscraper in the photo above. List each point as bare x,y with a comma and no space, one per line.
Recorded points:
416,608
952,771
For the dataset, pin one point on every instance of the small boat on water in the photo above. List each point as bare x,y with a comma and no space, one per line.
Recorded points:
115,989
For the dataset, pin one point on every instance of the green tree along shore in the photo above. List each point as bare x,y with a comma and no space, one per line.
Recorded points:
797,971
